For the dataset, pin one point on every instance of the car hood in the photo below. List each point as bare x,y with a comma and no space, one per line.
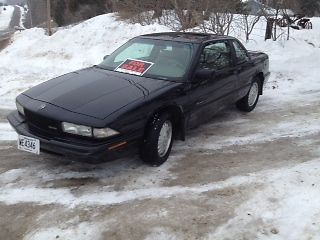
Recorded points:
95,92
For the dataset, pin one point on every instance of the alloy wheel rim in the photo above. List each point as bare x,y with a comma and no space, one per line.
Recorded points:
253,94
165,138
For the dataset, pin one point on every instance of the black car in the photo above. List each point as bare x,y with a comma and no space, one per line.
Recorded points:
141,97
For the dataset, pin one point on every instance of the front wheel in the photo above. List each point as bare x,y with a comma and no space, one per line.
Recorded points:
249,102
157,144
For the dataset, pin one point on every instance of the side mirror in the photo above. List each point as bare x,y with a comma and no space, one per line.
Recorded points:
105,57
203,74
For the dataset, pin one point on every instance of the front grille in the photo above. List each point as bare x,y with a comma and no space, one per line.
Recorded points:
48,128
37,123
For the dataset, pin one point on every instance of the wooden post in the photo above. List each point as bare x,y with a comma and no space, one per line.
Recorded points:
49,17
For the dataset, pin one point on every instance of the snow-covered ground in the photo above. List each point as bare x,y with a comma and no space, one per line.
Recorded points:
6,132
280,202
287,204
5,17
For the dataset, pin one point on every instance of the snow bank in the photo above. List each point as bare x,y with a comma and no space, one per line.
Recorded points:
34,57
294,64
5,17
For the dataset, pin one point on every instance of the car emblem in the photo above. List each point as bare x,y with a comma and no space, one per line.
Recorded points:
43,106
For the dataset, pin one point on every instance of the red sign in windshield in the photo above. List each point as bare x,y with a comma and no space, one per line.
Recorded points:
135,67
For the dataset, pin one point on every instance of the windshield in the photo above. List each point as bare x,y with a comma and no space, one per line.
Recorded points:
160,59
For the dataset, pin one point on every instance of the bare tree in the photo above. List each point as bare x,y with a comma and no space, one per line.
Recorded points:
212,15
287,6
281,17
144,12
219,16
219,23
248,21
184,11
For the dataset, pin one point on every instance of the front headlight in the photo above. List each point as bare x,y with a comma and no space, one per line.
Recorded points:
77,129
104,132
20,108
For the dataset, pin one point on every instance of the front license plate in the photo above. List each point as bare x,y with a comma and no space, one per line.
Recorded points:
28,144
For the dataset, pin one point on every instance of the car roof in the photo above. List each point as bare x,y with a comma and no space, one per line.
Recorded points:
191,37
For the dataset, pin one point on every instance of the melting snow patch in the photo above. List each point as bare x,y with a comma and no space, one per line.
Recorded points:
7,133
297,127
11,175
284,206
161,234
287,207
82,231
97,196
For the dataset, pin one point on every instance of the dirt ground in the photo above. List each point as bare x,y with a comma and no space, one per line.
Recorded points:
189,197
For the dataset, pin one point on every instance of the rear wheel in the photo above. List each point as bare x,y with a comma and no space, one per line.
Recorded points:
158,141
249,102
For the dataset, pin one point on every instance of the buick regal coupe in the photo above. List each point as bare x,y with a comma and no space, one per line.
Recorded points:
140,98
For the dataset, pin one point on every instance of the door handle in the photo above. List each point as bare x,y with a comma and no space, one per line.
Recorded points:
200,102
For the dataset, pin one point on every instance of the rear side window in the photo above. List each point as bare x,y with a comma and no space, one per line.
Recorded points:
216,56
241,53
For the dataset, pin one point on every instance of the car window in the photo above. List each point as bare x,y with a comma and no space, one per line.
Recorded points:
167,60
139,50
241,53
216,56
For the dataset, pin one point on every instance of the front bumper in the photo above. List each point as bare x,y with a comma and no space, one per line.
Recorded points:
95,151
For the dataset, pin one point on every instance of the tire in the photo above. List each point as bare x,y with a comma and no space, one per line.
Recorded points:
157,144
249,102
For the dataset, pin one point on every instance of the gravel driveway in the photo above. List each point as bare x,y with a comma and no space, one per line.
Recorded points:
220,166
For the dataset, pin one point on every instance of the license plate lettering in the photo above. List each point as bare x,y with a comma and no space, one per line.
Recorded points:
28,144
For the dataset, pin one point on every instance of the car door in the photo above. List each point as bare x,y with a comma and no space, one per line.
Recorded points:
244,69
210,95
